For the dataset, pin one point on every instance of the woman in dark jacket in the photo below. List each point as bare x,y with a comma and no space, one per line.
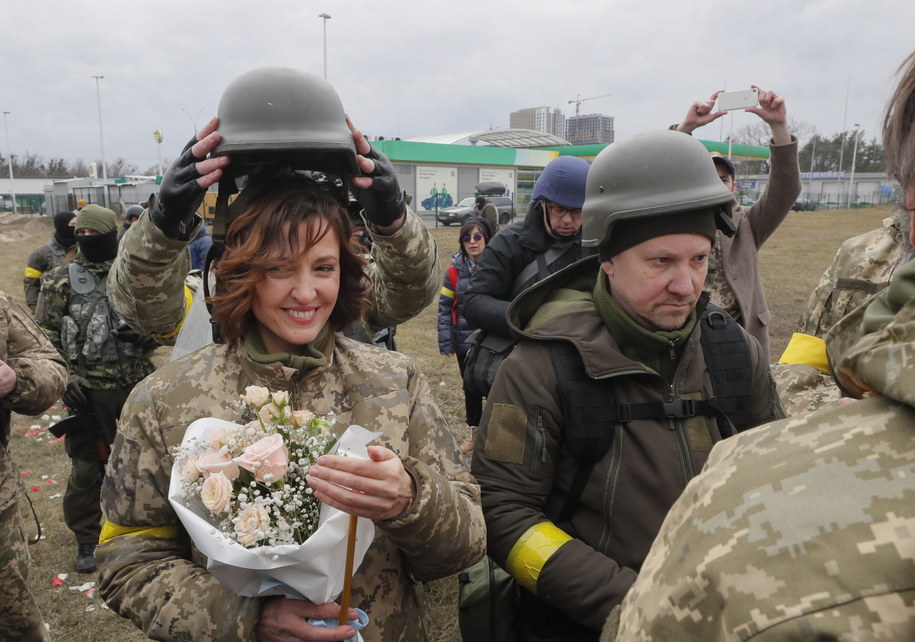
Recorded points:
453,328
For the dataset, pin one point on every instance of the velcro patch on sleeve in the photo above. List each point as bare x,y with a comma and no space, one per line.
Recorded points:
505,434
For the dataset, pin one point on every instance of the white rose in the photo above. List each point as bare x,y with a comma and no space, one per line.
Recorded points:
256,396
216,493
301,417
280,398
189,471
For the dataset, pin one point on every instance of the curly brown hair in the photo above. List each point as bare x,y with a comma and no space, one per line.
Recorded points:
263,237
899,126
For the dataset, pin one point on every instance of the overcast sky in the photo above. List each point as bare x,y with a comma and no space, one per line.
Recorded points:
416,68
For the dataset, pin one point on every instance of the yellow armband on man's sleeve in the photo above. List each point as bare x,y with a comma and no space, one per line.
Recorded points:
110,530
32,273
807,350
531,552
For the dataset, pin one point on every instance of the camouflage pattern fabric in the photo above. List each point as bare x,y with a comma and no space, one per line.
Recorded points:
146,284
820,547
40,379
55,302
21,618
862,267
43,258
716,284
155,576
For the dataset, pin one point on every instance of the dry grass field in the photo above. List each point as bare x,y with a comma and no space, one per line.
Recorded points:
792,260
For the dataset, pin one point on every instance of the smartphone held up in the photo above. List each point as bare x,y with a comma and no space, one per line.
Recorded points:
739,99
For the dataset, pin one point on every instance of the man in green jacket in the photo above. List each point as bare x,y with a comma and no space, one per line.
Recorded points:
805,529
576,486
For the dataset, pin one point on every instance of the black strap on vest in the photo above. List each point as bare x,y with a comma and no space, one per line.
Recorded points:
592,412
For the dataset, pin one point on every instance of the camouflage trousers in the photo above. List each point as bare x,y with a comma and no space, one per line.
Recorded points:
83,497
21,619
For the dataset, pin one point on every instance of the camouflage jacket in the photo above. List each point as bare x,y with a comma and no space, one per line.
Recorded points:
58,305
40,379
526,469
148,289
43,258
861,268
736,282
820,545
150,571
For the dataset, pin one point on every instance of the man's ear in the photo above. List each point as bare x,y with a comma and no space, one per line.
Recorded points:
608,268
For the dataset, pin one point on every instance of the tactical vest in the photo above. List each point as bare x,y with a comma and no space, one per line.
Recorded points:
88,333
58,253
591,409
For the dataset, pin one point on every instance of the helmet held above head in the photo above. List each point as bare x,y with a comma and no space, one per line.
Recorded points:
283,116
563,182
652,174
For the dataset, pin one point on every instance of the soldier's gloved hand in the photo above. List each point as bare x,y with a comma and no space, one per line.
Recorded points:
174,209
74,396
383,202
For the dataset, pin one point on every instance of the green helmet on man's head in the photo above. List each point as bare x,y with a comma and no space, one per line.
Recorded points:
651,174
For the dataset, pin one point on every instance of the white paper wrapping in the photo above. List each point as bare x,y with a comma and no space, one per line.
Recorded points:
313,570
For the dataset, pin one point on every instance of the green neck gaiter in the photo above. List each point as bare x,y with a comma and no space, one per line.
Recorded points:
313,354
659,350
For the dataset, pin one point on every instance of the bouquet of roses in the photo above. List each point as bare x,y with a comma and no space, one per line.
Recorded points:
241,493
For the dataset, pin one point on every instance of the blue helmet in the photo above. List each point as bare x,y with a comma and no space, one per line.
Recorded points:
563,181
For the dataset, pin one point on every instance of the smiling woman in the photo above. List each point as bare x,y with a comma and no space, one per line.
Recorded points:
287,282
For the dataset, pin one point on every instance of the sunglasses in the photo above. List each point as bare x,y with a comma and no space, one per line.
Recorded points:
475,237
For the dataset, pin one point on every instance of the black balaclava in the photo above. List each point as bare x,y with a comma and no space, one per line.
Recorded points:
64,233
99,248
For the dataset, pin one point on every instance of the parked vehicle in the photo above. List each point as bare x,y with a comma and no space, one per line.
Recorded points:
465,209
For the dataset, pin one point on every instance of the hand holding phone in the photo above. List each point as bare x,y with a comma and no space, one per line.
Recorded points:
740,99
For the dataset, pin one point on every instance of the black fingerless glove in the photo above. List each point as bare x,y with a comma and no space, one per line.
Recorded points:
174,209
74,396
383,203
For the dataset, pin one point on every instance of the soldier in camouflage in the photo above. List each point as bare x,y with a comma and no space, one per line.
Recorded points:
831,317
32,377
820,547
58,251
432,526
105,359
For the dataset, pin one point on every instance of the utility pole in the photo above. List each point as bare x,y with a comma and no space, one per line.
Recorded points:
9,156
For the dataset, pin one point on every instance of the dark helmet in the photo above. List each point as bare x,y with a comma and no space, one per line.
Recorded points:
133,212
563,181
650,174
285,116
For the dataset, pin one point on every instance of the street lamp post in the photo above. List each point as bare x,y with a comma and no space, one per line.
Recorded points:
851,177
325,17
101,138
9,157
193,118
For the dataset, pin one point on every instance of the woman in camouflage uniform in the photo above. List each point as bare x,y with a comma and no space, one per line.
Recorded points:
287,283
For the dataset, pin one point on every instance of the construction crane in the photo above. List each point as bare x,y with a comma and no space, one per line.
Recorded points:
579,100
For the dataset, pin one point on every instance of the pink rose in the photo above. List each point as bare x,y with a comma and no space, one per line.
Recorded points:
266,458
251,525
189,471
269,413
214,461
301,417
216,493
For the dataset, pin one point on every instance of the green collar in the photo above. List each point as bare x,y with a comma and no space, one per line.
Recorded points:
312,355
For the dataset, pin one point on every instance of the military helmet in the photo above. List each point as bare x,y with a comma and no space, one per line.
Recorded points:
649,174
562,181
288,117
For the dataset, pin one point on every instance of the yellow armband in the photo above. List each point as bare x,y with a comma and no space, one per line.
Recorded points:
32,273
807,350
531,552
110,530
